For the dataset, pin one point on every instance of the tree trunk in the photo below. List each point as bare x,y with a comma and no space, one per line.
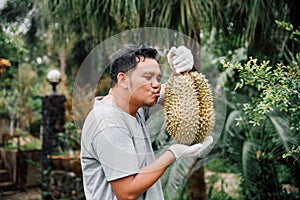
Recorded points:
11,125
197,188
64,82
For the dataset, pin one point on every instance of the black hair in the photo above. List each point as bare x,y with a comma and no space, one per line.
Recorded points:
127,58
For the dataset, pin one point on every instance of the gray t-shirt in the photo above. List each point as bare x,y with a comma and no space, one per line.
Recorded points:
114,145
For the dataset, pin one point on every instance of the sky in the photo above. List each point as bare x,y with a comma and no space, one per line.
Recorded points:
2,2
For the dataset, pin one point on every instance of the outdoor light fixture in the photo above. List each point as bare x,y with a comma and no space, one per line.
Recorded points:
54,77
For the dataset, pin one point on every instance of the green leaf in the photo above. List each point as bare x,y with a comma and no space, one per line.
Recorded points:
282,129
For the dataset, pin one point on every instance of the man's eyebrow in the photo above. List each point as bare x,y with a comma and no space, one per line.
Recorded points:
151,73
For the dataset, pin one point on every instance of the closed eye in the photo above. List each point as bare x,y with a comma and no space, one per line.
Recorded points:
151,76
148,78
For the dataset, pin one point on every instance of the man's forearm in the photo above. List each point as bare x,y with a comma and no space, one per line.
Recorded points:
133,186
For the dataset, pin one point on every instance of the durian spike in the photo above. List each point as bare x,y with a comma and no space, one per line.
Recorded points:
189,112
181,109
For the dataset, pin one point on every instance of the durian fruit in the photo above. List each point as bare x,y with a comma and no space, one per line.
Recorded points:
189,112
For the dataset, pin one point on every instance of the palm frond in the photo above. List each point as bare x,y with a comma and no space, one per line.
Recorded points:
248,153
175,177
287,139
231,121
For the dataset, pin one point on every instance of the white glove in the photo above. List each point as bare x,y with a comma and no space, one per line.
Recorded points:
180,59
181,150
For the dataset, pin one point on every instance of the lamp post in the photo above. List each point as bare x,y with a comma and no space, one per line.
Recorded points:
54,77
53,113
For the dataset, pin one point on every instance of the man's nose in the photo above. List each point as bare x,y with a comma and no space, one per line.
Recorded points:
155,84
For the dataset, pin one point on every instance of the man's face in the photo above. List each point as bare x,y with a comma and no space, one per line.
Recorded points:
144,83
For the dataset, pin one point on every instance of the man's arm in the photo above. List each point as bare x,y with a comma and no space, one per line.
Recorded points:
131,187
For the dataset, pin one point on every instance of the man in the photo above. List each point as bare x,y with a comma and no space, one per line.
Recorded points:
116,154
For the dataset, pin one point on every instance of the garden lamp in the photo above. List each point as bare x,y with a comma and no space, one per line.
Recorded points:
54,77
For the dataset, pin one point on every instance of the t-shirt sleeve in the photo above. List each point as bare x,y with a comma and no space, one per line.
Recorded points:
115,150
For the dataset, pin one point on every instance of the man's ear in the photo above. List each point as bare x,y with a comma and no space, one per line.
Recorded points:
122,79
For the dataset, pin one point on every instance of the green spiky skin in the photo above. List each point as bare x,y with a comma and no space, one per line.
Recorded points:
189,113
206,106
179,113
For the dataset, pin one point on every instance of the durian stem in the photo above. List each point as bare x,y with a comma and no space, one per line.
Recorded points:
184,73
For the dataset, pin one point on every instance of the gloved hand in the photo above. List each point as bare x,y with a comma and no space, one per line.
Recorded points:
181,150
180,59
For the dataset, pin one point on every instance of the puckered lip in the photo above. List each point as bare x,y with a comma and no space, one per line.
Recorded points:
156,93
